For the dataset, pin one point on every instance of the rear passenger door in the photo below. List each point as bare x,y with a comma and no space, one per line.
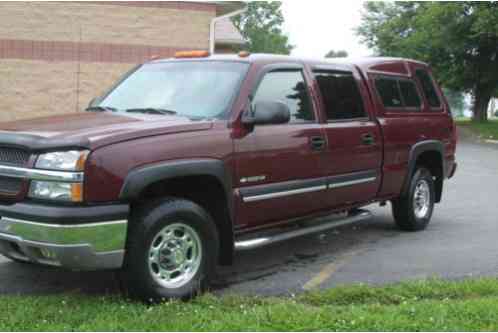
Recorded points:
353,155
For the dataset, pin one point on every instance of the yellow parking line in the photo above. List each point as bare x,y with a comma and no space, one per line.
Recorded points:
321,277
328,270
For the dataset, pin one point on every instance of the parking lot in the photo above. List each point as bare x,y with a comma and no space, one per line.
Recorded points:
460,242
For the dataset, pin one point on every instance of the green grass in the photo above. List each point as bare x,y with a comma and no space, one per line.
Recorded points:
434,305
488,130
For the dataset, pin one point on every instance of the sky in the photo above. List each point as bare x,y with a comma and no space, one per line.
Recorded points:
317,26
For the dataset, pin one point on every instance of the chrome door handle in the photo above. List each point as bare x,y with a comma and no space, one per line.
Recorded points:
368,139
317,143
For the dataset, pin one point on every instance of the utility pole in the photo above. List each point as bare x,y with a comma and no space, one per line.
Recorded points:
78,70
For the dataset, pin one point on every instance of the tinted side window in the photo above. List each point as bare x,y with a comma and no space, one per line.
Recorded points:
410,94
288,87
428,87
388,90
341,96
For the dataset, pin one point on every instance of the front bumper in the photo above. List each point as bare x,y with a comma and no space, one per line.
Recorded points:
79,238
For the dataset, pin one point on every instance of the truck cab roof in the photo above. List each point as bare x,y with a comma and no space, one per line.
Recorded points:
387,65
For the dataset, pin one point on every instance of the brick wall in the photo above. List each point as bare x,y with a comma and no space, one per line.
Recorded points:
45,48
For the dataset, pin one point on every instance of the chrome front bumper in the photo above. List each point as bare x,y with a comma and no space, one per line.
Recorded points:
85,246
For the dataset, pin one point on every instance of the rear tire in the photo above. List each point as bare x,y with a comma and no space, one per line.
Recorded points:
171,252
413,211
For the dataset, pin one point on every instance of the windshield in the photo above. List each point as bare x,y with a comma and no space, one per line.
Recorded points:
195,89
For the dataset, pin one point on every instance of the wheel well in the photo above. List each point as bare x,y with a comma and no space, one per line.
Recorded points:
207,192
432,160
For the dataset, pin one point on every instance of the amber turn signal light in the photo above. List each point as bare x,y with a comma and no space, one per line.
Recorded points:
77,192
80,164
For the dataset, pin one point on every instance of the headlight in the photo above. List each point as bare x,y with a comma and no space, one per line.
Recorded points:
73,160
70,192
68,161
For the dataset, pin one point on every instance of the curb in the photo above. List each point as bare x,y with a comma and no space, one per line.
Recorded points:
491,141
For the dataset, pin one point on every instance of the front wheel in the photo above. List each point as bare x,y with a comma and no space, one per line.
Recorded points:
413,211
171,251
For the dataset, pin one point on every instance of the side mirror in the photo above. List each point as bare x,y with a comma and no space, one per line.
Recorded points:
267,113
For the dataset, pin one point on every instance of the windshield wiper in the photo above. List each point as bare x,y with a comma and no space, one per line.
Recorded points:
152,111
100,108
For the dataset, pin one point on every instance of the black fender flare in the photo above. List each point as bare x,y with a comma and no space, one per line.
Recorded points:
140,178
418,149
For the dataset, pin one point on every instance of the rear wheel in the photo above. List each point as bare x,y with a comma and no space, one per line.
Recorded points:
172,250
413,211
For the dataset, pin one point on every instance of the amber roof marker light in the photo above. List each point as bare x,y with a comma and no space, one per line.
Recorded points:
192,54
244,54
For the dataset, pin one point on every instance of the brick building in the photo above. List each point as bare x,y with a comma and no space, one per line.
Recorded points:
55,57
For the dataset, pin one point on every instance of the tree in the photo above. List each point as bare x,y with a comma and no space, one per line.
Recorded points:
336,54
261,26
303,106
459,40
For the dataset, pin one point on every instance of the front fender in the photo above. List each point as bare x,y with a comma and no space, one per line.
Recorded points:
140,178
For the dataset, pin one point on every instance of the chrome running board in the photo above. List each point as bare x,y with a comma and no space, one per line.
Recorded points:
324,224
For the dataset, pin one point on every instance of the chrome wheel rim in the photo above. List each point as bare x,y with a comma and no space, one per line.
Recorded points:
175,255
422,199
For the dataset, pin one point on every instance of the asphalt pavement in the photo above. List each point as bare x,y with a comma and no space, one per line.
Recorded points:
461,241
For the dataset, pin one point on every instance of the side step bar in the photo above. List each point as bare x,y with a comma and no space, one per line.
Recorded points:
250,244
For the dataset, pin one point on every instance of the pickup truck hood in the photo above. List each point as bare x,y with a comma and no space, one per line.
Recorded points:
91,129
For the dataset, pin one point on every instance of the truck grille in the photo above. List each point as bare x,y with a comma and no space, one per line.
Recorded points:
13,156
10,186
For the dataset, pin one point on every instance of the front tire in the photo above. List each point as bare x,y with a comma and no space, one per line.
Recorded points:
413,211
171,253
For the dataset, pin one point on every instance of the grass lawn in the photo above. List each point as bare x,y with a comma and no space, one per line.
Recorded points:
435,305
488,130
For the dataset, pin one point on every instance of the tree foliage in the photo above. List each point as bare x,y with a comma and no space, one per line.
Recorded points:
459,40
336,54
261,26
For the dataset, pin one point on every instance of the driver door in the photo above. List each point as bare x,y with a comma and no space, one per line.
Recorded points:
278,166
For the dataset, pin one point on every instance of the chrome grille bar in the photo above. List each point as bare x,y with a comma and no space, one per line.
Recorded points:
47,175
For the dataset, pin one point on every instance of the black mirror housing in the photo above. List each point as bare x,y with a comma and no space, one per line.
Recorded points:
267,113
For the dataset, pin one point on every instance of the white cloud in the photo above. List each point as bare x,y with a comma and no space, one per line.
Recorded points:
316,27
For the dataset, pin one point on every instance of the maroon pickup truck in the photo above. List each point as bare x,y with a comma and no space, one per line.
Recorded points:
186,160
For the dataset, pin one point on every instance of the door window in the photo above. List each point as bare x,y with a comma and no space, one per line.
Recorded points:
340,94
287,86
